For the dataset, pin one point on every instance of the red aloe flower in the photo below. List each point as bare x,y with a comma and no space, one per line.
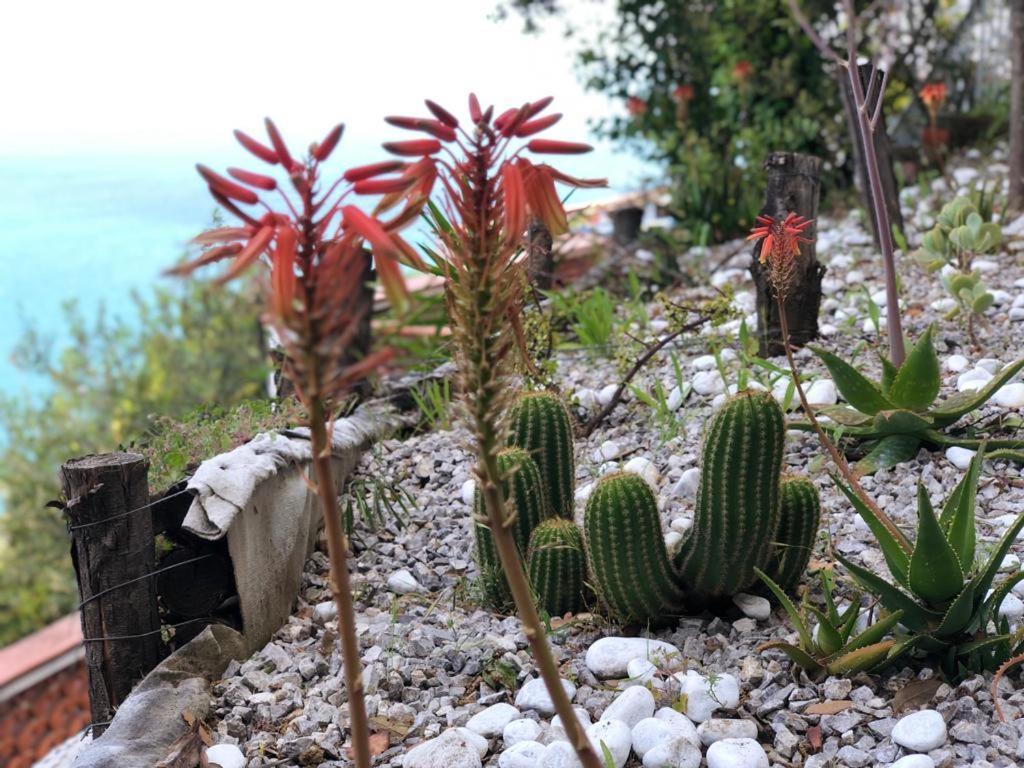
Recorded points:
636,106
780,246
683,93
742,70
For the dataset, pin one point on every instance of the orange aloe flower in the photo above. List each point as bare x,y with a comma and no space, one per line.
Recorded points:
742,70
780,246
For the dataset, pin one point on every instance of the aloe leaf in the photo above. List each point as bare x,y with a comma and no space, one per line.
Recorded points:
889,372
959,614
860,660
896,556
917,381
985,642
794,615
798,655
875,632
935,574
1007,453
916,617
965,402
990,608
888,452
958,515
848,620
829,639
845,415
900,422
856,389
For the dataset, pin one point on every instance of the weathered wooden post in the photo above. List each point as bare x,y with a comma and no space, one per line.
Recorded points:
794,185
883,151
540,261
114,556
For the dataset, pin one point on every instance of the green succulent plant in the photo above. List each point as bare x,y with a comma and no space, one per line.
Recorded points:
835,647
540,424
943,590
557,566
899,414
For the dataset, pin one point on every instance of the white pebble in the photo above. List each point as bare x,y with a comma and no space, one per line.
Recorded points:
610,656
607,451
519,730
583,492
704,363
754,606
822,392
989,364
676,396
582,716
606,393
708,383
704,695
676,753
717,729
640,465
648,733
1010,563
533,695
631,706
225,756
914,761
736,753
972,380
920,731
586,398
959,457
451,749
1010,396
615,735
479,742
492,721
402,582
1012,608
956,363
672,541
686,486
682,727
523,754
560,754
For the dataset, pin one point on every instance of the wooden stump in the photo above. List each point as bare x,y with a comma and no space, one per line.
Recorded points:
794,184
540,263
113,554
883,151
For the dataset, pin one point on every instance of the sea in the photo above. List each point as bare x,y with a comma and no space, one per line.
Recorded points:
92,228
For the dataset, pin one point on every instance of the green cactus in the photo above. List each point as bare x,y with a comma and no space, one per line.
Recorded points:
557,566
540,424
737,514
800,514
626,552
524,496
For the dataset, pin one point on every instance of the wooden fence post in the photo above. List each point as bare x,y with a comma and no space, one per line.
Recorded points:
113,552
540,261
794,184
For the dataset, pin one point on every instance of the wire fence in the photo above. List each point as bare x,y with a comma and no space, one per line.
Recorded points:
130,512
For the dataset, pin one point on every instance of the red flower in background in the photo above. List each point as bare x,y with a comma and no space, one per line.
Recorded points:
683,93
636,106
934,95
742,70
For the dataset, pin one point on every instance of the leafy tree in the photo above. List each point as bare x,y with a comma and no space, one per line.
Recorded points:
183,347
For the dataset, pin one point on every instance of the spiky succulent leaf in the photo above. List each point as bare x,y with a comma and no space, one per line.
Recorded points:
959,405
959,614
875,632
917,381
958,514
900,422
862,659
856,389
797,655
935,574
888,452
915,616
896,557
828,638
794,615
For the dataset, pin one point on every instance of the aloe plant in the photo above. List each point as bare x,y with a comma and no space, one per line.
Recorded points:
944,592
899,414
835,646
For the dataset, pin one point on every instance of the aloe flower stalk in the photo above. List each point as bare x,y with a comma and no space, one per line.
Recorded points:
311,244
488,190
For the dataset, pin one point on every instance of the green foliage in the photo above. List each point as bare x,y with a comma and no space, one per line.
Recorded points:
590,314
181,348
630,568
835,647
944,591
895,416
799,519
557,566
540,424
525,501
434,401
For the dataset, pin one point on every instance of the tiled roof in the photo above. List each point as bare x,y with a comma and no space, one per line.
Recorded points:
44,695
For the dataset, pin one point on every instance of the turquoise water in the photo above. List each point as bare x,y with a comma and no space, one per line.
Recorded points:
93,228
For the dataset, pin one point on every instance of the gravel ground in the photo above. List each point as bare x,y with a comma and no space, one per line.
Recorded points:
434,659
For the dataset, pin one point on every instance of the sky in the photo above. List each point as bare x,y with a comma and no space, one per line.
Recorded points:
128,77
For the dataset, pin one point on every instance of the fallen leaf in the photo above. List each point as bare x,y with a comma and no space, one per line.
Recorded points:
828,707
814,737
915,694
379,743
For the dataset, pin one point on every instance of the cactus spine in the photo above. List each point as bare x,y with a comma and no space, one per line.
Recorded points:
737,511
524,498
626,551
540,424
557,566
799,518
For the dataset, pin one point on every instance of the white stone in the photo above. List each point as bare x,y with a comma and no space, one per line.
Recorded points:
1018,301
959,457
1000,297
451,749
708,383
964,176
675,753
681,524
582,716
478,741
822,392
676,396
972,380
559,754
1016,314
754,606
533,695
523,754
607,451
737,753
780,388
641,465
879,297
914,761
606,393
469,492
648,733
325,611
583,492
920,731
704,363
686,486
519,730
682,727
1015,227
225,756
956,363
586,398
1010,395
985,266
631,706
492,721
402,582
672,541
704,696
1010,563
610,656
615,735
1012,608
718,728
989,364
828,329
